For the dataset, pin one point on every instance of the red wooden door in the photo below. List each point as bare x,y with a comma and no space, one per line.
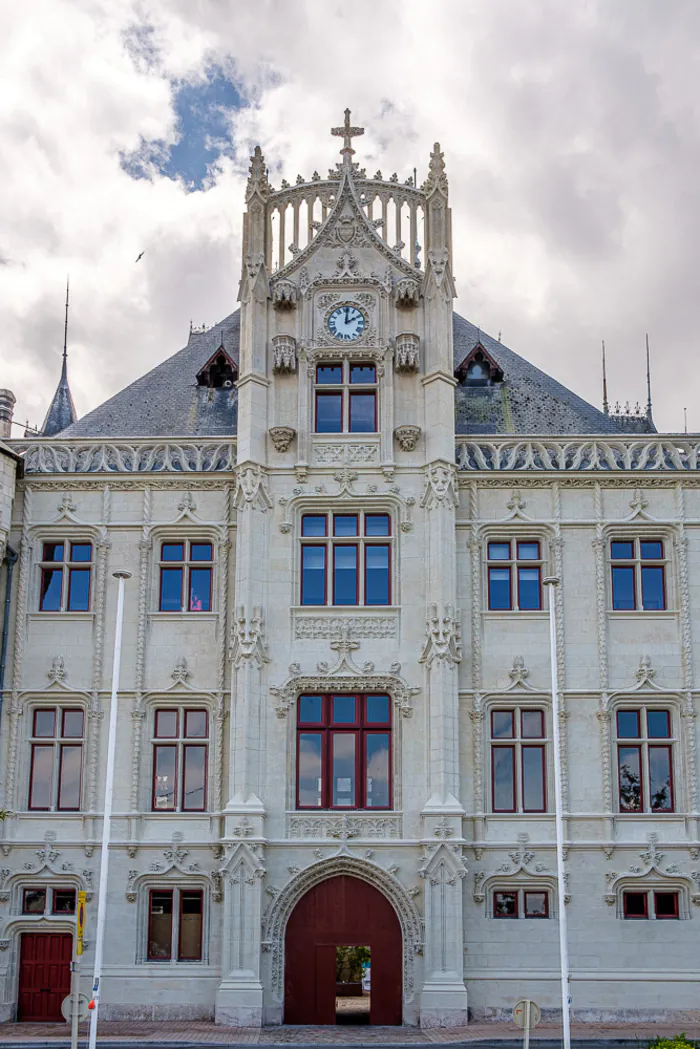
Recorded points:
44,975
339,912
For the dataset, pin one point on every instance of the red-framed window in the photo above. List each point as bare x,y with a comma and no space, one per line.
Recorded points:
346,559
518,760
345,397
66,574
180,758
48,900
56,759
638,575
644,747
344,752
175,925
186,576
659,904
514,575
521,903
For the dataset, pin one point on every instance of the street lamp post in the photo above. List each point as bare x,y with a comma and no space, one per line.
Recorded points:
552,582
107,820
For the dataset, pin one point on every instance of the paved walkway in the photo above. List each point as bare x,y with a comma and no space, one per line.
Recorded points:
203,1033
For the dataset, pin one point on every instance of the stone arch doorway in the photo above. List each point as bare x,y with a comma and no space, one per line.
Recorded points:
341,911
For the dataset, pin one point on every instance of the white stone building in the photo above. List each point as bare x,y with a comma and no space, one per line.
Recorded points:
337,507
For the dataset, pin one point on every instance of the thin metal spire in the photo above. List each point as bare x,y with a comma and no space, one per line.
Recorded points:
648,381
606,406
685,420
65,330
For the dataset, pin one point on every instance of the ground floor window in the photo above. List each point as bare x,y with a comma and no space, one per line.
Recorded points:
45,900
521,903
175,925
662,905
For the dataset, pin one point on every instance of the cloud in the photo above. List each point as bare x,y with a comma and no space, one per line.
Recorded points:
570,134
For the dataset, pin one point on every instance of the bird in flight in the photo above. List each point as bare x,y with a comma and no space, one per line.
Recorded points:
140,256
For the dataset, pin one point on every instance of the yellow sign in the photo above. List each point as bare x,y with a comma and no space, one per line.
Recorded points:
80,922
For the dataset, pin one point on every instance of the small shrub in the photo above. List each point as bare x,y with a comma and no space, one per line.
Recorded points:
679,1041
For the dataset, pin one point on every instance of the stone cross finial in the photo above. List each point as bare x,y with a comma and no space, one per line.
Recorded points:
346,132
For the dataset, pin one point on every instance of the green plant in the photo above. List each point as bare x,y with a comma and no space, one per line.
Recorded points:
679,1041
349,962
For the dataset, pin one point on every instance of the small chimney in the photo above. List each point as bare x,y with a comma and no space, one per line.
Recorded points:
7,407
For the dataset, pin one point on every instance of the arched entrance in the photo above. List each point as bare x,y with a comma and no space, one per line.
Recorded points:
341,911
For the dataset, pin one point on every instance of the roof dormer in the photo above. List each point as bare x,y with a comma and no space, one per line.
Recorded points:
479,368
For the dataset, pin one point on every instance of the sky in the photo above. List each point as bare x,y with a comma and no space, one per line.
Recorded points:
571,136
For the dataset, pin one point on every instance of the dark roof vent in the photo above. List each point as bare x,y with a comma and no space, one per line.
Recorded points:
479,368
219,371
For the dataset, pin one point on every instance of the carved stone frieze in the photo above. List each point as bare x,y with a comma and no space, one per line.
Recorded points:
343,827
282,437
407,357
284,353
307,627
407,437
53,456
337,454
580,453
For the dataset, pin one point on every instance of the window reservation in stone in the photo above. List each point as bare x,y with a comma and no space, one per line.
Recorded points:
644,760
521,903
344,752
346,559
48,901
175,925
650,904
56,761
518,776
515,575
345,397
65,577
180,739
638,575
185,576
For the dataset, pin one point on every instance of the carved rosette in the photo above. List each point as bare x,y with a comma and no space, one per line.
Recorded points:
282,437
407,352
284,295
407,437
284,353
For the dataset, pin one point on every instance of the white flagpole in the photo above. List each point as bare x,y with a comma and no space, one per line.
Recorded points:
552,582
107,819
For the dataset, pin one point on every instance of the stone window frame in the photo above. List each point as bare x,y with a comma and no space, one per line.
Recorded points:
523,699
185,531
63,532
154,882
522,531
55,700
181,701
658,701
644,530
519,882
653,882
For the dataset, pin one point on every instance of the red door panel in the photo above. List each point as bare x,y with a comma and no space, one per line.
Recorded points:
44,975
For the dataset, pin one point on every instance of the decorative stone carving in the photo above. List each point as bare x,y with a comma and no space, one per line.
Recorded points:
175,860
57,671
345,675
249,642
327,454
284,294
623,453
407,437
196,456
406,293
48,862
181,672
359,626
444,636
282,437
251,488
651,870
315,826
407,357
440,486
284,353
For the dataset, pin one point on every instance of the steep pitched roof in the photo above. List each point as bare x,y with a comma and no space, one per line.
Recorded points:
61,413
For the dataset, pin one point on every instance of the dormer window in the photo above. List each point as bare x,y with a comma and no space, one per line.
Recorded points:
219,371
479,368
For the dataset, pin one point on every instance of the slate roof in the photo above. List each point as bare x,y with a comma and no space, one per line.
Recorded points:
61,411
167,402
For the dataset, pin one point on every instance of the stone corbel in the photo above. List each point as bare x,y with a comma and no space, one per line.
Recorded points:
407,437
284,353
406,293
407,352
282,437
284,295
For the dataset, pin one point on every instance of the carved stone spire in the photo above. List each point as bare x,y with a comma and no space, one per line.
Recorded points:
258,183
437,179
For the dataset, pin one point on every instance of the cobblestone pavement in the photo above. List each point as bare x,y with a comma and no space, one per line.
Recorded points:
206,1033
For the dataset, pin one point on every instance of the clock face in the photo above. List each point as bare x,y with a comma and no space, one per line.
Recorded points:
346,323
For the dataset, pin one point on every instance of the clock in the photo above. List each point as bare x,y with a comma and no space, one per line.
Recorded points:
346,323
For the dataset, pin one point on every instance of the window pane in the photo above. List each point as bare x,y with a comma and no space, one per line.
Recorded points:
376,575
666,904
194,778
41,777
658,724
190,940
64,901
505,905
536,905
200,551
660,786
81,552
533,779
160,926
363,373
51,582
344,710
78,589
72,724
363,413
343,775
344,575
170,589
166,724
620,549
377,758
529,588
196,724
528,551
344,524
329,373
499,551
502,724
499,588
53,552
33,901
623,588
69,777
200,590
313,575
377,524
172,552
628,724
630,779
165,766
653,588
377,710
329,412
651,549
310,709
503,779
532,724
635,904
45,722
313,525
309,771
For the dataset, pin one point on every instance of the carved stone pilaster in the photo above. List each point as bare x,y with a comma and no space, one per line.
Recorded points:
444,996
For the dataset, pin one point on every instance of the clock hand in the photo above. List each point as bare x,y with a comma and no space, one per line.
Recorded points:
347,311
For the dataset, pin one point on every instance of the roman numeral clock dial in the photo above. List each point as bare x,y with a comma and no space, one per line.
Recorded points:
346,323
